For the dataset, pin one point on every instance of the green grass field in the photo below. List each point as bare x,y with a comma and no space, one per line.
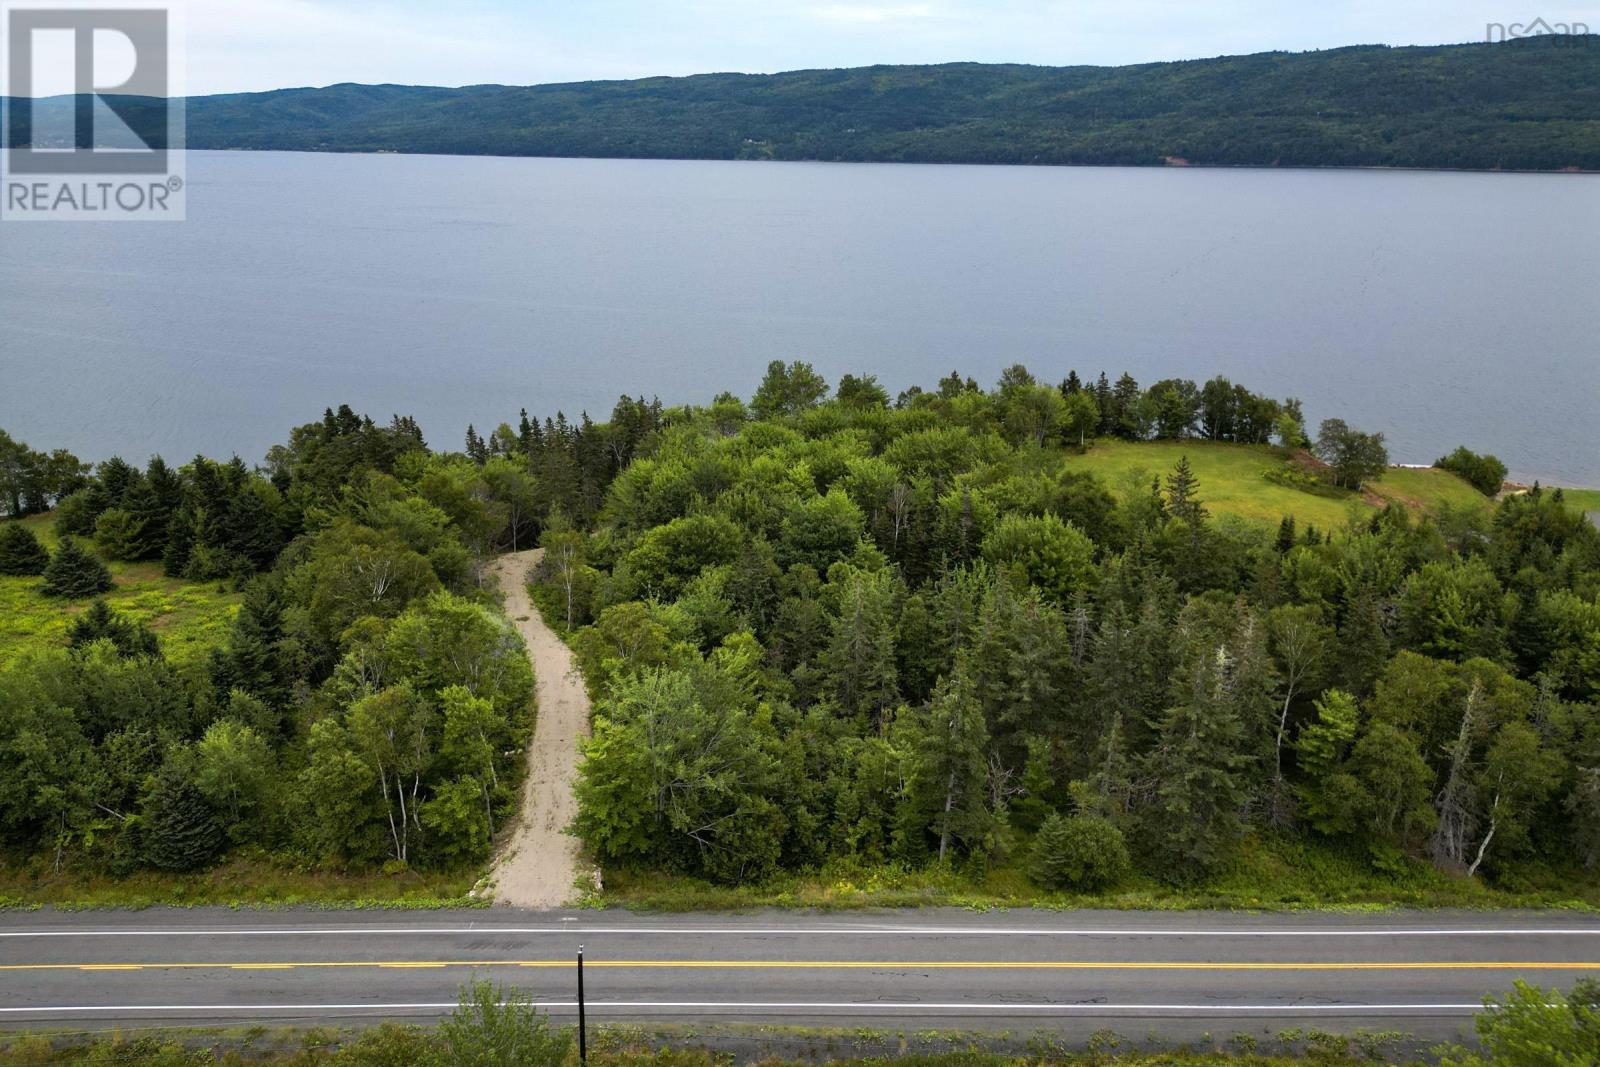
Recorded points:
1583,499
189,617
1233,482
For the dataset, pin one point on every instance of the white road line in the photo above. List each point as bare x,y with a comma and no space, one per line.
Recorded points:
887,931
887,1008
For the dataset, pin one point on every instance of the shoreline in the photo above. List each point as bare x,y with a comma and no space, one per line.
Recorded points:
1162,165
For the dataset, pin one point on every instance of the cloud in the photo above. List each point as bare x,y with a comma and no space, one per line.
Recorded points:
247,45
872,14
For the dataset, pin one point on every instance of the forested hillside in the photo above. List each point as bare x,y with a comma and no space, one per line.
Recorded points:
1521,105
858,637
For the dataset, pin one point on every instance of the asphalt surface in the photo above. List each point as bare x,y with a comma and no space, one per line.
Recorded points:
1176,974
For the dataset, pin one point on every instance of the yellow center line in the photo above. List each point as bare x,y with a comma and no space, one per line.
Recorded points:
891,965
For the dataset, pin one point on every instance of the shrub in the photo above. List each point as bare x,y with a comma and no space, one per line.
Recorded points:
100,623
500,1027
1536,1027
21,554
78,512
1057,556
1084,852
74,573
1486,473
180,831
118,534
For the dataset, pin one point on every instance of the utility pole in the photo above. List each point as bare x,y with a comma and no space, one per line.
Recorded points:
583,1035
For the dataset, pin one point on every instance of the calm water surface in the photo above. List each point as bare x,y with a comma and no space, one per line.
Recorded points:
1438,308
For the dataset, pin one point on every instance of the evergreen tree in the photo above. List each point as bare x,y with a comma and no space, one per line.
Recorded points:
1363,644
21,554
1191,824
477,451
253,660
949,791
860,660
1125,406
1103,400
1183,502
100,623
1286,535
178,830
73,573
1085,853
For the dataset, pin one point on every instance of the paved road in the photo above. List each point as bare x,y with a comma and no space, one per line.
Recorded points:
1173,973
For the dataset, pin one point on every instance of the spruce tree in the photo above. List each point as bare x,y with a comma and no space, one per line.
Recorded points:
862,675
178,828
1183,503
1363,645
1192,824
21,554
1125,403
950,746
1286,535
131,639
74,573
1083,853
147,522
252,660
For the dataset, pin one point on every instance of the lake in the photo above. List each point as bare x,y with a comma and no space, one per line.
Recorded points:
1439,308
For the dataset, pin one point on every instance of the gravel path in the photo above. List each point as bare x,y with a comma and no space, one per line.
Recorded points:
541,863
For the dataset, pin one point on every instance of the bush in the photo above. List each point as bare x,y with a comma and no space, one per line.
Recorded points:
499,1027
118,534
1084,853
1536,1027
1486,473
21,554
74,573
78,512
179,829
100,623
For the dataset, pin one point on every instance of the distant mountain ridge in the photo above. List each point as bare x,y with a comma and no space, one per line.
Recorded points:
1531,104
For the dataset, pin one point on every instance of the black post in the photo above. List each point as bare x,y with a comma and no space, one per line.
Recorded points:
583,1036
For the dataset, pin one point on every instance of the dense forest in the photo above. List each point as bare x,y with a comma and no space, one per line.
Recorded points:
1522,105
1528,104
367,705
849,630
822,627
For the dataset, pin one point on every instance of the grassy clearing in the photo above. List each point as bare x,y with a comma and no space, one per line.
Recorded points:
1232,482
242,881
189,617
1583,499
1269,874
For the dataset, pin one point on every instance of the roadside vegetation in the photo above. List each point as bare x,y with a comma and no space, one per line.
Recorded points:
500,1027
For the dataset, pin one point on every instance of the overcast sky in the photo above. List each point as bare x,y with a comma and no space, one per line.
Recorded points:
238,45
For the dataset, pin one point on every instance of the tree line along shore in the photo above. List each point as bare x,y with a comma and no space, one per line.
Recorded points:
1083,640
